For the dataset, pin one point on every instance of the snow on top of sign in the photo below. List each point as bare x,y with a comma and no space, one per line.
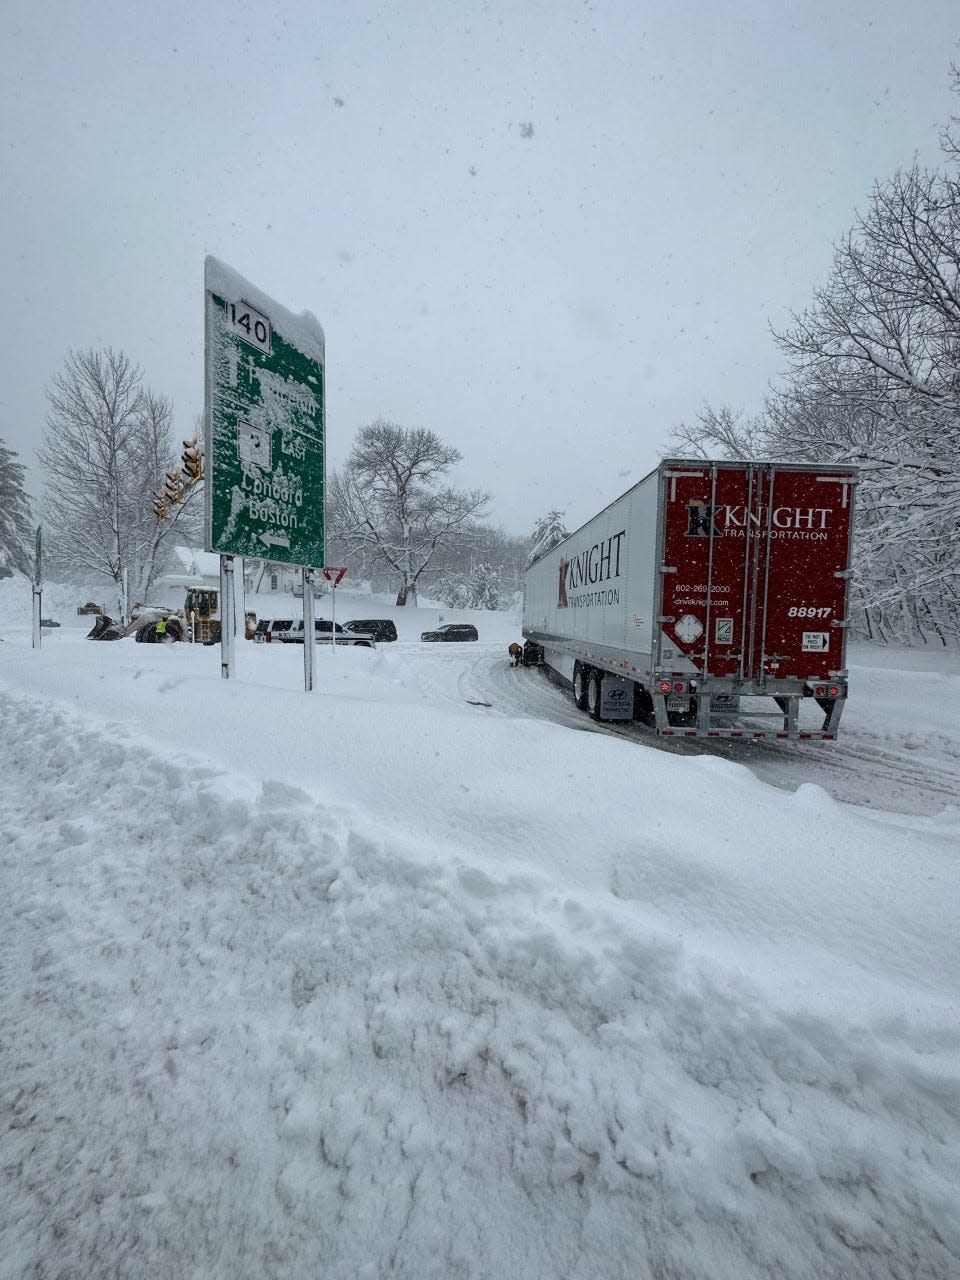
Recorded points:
304,331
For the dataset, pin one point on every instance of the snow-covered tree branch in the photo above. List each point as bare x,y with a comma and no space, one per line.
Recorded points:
15,526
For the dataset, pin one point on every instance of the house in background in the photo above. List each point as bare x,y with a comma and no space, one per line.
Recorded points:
265,577
193,568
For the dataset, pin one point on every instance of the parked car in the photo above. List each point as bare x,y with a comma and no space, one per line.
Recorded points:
291,632
379,628
452,631
269,629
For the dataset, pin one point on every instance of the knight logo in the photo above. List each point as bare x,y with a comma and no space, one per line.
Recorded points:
731,518
562,593
698,519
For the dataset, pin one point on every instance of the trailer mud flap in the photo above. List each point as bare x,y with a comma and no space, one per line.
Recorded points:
616,698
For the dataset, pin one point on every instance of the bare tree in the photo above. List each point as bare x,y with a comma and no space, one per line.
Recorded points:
107,445
719,433
950,136
15,526
390,502
875,379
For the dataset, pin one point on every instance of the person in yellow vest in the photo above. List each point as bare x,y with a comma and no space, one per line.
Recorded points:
161,629
516,654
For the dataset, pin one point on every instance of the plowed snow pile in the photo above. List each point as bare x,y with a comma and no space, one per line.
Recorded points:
350,985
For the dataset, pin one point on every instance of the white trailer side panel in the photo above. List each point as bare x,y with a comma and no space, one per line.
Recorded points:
598,588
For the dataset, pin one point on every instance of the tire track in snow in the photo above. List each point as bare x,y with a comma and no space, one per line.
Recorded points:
852,770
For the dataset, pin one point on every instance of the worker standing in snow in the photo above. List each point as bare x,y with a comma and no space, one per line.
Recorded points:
516,654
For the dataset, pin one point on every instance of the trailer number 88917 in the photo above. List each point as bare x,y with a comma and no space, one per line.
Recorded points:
808,611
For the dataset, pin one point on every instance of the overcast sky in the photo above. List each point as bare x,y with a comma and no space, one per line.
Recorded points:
547,230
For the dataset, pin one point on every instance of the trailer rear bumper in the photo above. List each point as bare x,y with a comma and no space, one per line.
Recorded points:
750,734
715,711
682,703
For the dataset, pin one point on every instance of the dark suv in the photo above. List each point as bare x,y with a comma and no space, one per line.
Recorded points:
452,631
379,628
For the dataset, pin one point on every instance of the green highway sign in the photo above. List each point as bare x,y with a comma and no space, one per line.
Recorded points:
264,424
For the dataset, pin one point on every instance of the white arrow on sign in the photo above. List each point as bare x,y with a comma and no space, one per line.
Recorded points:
275,539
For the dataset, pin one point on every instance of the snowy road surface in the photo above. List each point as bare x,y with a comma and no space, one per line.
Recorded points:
889,755
376,982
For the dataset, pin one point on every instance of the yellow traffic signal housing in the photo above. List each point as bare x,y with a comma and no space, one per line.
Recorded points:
192,460
160,505
173,488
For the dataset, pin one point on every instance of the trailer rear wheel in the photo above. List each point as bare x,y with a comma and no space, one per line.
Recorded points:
593,694
643,706
580,686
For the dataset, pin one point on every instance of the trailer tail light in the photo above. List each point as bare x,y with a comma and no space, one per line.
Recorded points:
834,691
679,687
664,686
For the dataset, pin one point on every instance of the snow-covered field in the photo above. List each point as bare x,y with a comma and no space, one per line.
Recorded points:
384,981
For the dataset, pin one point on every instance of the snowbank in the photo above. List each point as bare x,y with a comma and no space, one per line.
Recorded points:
358,984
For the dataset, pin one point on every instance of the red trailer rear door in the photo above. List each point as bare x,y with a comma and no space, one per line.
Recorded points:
706,600
803,583
755,554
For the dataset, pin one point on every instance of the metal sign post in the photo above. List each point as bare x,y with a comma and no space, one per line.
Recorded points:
333,576
37,588
264,426
227,620
309,632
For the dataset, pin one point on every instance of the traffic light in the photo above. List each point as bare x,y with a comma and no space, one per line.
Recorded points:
173,488
192,461
160,504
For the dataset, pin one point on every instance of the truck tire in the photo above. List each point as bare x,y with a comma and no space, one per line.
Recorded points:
580,686
593,694
643,706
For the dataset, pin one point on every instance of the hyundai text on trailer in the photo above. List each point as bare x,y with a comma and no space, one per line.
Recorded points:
704,590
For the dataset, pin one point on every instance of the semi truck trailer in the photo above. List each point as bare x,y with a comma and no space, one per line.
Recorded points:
709,600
